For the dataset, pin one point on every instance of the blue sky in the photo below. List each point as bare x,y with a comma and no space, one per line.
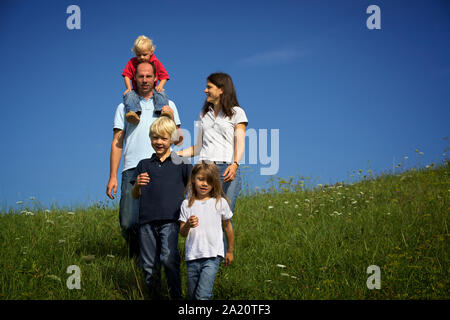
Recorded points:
343,97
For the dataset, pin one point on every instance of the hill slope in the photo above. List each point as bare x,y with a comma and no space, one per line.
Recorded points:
314,244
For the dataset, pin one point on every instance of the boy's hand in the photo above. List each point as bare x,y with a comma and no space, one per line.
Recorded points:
143,179
126,91
193,221
159,88
229,257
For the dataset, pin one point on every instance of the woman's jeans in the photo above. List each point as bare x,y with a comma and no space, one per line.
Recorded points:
230,188
131,101
158,243
201,274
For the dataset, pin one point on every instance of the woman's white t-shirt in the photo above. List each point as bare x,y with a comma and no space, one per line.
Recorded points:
205,240
218,134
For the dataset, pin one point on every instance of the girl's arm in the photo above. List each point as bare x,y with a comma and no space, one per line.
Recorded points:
192,222
239,148
228,229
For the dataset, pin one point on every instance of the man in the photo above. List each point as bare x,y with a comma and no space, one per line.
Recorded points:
137,147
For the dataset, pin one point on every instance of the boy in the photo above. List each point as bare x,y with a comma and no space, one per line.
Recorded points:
143,48
160,182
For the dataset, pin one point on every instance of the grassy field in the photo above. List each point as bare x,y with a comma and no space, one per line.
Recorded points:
290,244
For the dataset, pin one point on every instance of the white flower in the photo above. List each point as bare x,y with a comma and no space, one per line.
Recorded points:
270,207
294,277
50,221
61,240
19,202
286,202
307,200
47,211
70,212
110,256
281,266
284,274
388,213
354,202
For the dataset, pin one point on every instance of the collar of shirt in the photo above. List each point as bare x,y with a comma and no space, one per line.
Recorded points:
173,155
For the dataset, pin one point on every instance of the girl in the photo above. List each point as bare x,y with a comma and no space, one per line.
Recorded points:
204,213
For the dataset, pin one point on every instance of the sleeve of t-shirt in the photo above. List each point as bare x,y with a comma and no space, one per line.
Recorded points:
225,210
239,115
119,117
176,117
129,70
183,211
137,172
161,72
187,168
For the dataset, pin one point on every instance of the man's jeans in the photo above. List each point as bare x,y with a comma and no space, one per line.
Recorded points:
131,101
201,274
129,212
158,243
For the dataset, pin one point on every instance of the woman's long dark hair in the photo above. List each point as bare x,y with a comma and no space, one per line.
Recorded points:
228,98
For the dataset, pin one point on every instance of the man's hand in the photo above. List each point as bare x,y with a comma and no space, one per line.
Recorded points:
111,186
167,109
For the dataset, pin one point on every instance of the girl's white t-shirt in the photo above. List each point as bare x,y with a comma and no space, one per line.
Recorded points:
205,240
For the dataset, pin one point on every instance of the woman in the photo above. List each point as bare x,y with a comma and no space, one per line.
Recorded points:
221,137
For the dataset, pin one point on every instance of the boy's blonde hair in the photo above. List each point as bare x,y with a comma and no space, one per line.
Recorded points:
143,43
164,126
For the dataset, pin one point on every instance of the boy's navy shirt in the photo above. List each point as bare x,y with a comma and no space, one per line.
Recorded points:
161,198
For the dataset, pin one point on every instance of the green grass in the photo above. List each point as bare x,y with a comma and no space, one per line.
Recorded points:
325,238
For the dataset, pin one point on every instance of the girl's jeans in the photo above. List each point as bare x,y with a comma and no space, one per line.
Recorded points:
200,277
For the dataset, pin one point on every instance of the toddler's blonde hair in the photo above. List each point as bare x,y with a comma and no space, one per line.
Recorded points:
143,43
164,126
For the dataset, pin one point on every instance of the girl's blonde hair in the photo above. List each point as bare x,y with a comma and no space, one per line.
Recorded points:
143,43
164,126
210,170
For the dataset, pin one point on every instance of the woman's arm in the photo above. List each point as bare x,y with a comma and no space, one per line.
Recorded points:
239,148
194,150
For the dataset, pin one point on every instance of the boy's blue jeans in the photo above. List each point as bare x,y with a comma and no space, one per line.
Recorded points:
131,101
201,274
158,244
